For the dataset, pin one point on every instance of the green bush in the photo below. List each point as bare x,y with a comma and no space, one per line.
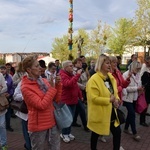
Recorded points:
123,68
2,61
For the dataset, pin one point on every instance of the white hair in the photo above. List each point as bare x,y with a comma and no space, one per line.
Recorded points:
65,63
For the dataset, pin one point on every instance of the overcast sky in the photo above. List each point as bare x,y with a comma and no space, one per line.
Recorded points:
32,25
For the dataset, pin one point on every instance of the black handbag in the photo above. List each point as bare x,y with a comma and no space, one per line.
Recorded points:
19,106
121,116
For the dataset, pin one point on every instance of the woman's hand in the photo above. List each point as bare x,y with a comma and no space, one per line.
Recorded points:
57,79
79,71
129,76
51,81
116,103
7,95
112,98
140,89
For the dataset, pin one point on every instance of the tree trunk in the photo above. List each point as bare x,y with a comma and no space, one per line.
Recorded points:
144,51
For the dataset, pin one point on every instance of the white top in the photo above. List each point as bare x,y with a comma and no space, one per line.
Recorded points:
18,97
3,86
17,77
50,75
82,80
130,93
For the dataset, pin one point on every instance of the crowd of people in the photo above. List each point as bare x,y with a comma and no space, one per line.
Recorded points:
101,86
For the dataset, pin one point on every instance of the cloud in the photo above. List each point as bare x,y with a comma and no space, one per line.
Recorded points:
46,20
23,20
85,25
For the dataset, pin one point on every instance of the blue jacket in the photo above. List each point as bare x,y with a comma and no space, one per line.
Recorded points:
9,83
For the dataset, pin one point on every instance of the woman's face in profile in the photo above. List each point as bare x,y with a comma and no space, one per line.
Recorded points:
35,70
106,66
114,64
136,70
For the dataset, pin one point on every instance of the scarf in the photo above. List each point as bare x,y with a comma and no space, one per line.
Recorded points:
41,83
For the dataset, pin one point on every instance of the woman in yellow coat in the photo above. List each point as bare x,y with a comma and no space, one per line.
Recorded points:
102,99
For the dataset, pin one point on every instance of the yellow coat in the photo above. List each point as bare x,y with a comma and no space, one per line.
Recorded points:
99,105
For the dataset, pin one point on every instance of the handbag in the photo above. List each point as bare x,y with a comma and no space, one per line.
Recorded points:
148,110
19,106
121,116
141,103
62,115
4,104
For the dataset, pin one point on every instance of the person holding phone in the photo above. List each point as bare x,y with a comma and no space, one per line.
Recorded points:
39,95
130,95
70,94
121,82
50,72
80,108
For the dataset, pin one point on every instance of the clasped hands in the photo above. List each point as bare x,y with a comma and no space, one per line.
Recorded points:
114,101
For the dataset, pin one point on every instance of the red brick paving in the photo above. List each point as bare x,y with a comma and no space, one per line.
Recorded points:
82,142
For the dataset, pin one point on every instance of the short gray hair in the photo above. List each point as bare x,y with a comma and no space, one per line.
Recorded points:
113,58
65,63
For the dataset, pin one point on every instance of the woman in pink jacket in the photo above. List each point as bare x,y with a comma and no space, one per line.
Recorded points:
121,82
39,96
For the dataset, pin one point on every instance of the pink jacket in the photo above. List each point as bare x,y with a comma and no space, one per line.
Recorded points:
121,82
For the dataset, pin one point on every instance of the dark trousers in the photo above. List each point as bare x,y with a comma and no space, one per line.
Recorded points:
80,110
130,120
143,117
8,117
26,134
72,109
116,132
84,95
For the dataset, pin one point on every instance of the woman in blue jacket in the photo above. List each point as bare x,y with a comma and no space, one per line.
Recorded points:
8,94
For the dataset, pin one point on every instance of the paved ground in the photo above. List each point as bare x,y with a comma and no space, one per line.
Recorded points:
82,142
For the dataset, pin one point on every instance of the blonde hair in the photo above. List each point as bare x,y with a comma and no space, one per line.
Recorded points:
28,62
102,58
65,63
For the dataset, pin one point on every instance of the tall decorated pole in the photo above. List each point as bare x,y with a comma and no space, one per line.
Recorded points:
70,29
